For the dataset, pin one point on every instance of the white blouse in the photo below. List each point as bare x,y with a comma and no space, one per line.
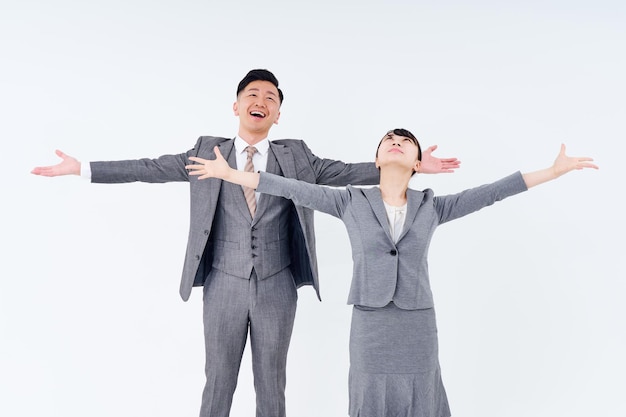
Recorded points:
396,216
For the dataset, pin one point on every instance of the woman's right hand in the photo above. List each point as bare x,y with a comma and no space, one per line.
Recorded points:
206,168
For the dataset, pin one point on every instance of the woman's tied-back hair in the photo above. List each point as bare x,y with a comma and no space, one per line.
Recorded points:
405,134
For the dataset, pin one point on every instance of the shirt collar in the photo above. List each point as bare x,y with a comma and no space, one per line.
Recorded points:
261,147
394,209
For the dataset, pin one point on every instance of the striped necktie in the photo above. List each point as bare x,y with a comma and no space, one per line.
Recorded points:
249,192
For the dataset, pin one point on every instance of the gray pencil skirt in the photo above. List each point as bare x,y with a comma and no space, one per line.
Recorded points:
394,364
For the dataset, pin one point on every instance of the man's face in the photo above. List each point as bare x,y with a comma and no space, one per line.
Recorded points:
258,107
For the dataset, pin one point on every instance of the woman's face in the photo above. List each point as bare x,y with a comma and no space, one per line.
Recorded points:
395,149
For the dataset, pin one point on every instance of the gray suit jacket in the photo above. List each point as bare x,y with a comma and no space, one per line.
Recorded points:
385,271
296,161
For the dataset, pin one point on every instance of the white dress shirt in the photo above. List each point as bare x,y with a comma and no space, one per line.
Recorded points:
259,160
85,171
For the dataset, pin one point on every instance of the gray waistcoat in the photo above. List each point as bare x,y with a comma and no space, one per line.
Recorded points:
241,243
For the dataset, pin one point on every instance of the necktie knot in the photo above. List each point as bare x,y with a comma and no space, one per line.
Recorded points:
251,150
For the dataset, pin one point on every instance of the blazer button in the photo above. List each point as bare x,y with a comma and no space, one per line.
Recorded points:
206,232
197,257
253,246
393,252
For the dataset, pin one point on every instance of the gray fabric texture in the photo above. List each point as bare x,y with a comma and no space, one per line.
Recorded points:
394,365
249,267
385,271
295,160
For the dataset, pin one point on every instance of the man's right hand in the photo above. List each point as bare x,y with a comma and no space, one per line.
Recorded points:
68,166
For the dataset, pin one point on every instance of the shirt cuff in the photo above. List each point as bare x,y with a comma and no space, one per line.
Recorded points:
85,171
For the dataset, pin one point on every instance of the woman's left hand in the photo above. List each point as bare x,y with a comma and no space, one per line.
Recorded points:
564,164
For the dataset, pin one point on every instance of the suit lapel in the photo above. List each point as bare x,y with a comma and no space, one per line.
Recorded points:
226,149
378,207
214,183
414,201
230,154
211,188
272,167
285,159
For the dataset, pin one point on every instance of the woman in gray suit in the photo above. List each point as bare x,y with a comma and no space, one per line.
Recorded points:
394,365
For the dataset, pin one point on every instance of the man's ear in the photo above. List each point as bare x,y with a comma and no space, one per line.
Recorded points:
277,117
235,109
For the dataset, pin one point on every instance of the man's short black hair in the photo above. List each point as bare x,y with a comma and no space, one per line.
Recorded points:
259,75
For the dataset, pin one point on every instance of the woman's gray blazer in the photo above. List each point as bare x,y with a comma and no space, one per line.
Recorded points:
385,271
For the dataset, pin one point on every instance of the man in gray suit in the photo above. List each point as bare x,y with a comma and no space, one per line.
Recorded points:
250,253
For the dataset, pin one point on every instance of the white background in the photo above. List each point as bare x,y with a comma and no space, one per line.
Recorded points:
529,293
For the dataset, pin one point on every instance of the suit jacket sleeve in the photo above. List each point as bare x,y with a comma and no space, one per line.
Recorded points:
453,206
313,196
166,168
337,173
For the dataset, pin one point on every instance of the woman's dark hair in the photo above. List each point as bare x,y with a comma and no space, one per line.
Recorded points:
259,75
405,134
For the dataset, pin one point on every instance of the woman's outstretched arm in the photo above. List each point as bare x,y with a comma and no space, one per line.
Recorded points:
562,165
313,196
218,168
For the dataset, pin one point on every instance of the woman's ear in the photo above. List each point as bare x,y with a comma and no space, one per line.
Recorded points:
417,166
